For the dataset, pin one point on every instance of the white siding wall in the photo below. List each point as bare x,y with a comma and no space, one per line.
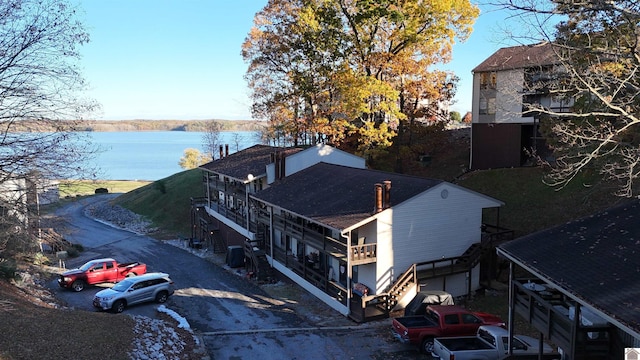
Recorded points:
455,285
385,253
321,153
271,173
429,227
475,100
367,273
14,192
509,97
313,155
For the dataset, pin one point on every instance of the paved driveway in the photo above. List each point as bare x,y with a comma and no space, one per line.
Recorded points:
236,318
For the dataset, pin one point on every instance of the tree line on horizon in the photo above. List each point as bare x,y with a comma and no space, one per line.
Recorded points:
143,125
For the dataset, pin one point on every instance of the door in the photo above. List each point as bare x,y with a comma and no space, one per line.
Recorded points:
95,274
138,292
452,326
470,323
110,273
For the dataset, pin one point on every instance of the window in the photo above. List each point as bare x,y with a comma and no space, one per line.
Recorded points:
483,106
491,106
451,319
109,265
470,319
488,80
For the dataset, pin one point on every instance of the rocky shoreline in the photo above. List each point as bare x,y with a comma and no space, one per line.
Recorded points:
120,217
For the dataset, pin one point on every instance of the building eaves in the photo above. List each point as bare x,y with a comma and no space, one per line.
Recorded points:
252,160
596,259
339,196
519,57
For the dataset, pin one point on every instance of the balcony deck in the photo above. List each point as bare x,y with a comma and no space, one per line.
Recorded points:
550,314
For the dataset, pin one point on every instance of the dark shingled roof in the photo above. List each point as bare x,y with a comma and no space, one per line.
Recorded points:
519,57
339,196
252,160
596,258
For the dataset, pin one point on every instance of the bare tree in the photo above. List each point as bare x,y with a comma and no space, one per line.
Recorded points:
592,121
211,138
40,109
237,139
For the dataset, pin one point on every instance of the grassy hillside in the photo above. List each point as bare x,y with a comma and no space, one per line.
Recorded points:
166,202
530,205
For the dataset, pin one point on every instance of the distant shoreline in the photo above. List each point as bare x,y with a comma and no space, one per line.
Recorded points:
148,125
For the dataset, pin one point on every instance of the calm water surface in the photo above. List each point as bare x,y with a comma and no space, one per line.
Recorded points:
153,155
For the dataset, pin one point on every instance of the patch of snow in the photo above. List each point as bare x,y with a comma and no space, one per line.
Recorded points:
182,322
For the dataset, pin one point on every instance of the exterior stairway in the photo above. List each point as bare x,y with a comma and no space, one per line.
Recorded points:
256,261
389,300
403,284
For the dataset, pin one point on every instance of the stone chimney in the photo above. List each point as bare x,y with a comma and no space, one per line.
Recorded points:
221,153
226,150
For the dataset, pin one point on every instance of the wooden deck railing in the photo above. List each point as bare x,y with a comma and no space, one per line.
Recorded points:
550,314
363,254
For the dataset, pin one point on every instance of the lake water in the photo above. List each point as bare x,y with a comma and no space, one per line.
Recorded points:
153,155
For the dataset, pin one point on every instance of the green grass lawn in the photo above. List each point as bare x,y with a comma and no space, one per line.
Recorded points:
166,202
73,188
531,205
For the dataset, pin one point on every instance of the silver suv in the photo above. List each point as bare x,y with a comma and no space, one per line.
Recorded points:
148,287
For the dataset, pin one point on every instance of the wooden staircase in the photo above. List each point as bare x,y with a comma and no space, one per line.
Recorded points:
219,245
388,301
396,291
471,256
53,240
256,260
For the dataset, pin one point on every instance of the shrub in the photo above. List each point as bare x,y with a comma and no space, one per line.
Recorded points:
160,186
40,259
78,247
7,268
102,191
73,252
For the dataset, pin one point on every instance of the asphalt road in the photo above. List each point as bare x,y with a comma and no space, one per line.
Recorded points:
236,318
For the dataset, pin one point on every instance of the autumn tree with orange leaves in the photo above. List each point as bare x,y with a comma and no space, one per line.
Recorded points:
351,72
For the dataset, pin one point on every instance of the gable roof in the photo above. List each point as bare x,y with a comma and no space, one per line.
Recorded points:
339,196
252,160
519,57
596,259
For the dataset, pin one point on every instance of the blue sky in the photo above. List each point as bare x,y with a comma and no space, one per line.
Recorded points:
180,59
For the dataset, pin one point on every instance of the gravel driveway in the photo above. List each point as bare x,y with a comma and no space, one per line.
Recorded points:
235,317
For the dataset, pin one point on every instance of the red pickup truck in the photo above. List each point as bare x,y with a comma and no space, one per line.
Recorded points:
99,271
440,321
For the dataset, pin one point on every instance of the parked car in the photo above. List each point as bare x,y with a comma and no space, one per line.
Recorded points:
144,288
99,271
490,343
440,321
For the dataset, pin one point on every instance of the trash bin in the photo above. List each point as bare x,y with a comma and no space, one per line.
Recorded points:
235,256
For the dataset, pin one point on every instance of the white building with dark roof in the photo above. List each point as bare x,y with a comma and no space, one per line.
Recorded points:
362,241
